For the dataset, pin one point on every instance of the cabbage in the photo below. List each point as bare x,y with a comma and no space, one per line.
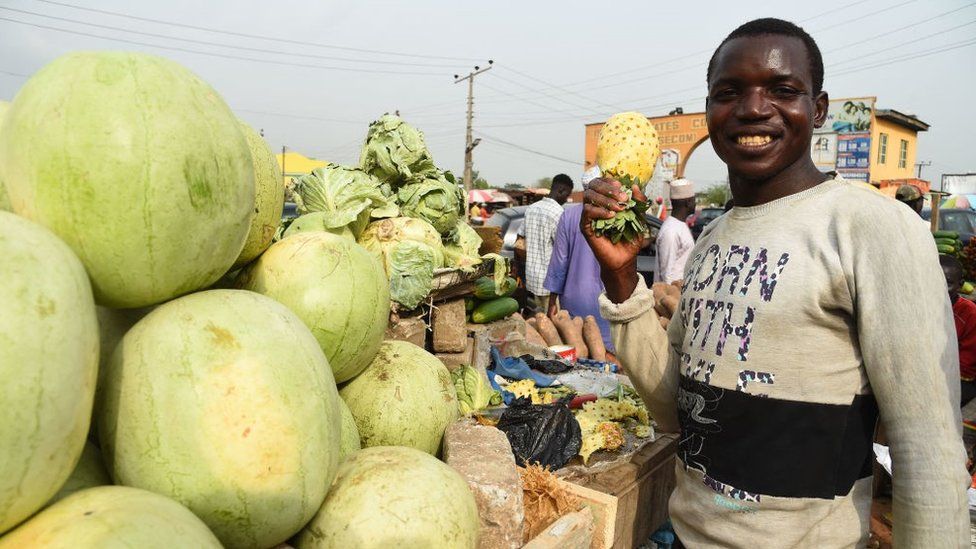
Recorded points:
434,197
410,249
348,196
394,151
463,252
315,221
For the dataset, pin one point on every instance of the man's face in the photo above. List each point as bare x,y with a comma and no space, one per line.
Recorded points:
760,108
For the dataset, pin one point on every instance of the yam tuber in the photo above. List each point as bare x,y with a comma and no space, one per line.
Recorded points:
532,334
568,331
584,351
547,330
594,339
679,284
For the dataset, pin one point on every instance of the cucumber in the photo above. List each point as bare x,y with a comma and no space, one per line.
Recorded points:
484,288
946,241
945,234
493,310
943,249
469,305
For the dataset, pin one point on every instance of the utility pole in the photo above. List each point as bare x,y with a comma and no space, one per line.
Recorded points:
920,165
469,142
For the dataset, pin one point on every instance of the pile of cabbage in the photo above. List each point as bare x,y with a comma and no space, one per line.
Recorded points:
397,204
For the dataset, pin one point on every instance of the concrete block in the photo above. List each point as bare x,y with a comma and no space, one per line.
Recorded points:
456,360
411,329
450,334
499,329
483,456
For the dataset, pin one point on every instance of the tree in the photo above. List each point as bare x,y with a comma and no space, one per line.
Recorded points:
715,195
543,183
514,186
478,182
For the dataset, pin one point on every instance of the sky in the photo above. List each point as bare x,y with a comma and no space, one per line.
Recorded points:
312,75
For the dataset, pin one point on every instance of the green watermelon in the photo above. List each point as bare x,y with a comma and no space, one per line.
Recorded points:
349,440
138,165
405,397
89,472
392,496
335,286
112,517
48,365
269,198
223,401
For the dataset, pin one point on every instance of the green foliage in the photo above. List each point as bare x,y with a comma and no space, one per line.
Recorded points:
543,183
716,195
626,225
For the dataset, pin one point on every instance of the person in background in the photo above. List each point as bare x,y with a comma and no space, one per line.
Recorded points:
539,232
911,197
674,240
964,312
573,279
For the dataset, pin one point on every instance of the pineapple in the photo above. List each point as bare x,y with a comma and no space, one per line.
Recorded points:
627,151
628,148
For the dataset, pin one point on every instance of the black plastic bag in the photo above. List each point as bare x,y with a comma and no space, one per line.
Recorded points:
548,367
545,434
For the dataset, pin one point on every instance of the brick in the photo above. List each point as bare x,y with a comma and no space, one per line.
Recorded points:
450,335
412,330
483,456
499,329
455,360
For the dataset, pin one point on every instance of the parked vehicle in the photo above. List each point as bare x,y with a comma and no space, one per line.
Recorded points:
961,220
703,218
510,220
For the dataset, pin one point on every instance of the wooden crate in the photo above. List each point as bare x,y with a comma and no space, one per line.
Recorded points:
641,488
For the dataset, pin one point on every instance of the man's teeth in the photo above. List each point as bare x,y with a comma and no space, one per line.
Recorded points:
753,140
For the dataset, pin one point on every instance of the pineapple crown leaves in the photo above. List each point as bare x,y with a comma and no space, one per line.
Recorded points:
626,225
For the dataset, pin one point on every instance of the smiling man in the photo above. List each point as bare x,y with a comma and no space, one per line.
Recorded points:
794,331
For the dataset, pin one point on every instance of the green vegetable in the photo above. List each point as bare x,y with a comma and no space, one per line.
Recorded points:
473,390
462,252
485,288
625,225
943,249
946,241
394,152
469,305
316,221
434,197
967,288
4,200
410,249
349,197
945,234
495,309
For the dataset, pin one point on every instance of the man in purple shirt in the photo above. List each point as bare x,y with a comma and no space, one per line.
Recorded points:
573,277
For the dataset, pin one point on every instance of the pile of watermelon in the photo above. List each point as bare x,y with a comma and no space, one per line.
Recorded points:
169,376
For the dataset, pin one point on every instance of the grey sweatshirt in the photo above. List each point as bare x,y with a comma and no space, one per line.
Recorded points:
799,321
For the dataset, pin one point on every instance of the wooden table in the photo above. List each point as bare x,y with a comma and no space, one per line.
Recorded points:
642,486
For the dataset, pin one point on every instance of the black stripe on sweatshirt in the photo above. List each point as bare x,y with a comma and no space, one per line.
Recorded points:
775,447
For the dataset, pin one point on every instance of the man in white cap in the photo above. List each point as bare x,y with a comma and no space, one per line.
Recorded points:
674,241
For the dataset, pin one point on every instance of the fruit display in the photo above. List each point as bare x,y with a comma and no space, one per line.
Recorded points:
335,286
405,397
385,496
138,165
112,516
224,401
48,365
627,151
269,198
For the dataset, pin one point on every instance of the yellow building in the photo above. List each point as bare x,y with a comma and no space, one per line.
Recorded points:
894,144
294,164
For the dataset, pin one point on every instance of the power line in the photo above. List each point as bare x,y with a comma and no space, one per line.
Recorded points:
524,149
255,36
557,98
908,57
214,54
15,74
861,56
232,46
899,29
560,88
